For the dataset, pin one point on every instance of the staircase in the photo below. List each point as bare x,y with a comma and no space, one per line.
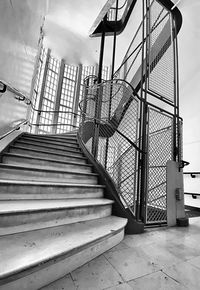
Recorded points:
53,216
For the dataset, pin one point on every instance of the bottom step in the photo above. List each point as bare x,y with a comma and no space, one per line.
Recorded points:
37,258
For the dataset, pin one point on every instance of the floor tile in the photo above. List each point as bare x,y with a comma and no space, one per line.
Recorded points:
65,283
159,255
119,247
195,262
186,274
130,264
95,275
123,286
155,281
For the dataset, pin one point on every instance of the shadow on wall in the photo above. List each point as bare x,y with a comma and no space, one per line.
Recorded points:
19,32
11,110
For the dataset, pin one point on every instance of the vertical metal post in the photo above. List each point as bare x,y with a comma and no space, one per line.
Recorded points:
114,42
98,97
176,89
77,95
42,90
101,56
112,76
58,95
84,109
139,201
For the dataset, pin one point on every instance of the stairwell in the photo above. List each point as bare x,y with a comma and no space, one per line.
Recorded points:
53,214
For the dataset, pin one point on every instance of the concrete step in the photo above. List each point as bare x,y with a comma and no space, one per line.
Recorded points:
25,215
57,143
37,258
16,172
50,148
11,158
71,139
16,190
75,157
61,137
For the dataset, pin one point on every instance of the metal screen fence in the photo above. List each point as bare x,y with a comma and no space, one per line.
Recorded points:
117,130
160,148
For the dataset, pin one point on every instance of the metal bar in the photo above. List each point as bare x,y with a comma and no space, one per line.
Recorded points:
112,76
43,87
139,199
77,93
177,86
58,94
98,100
17,127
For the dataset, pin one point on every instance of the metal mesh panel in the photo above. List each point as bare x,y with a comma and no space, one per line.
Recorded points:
118,122
159,152
161,54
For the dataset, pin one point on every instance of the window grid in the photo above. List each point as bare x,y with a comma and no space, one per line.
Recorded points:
49,97
68,93
38,85
67,98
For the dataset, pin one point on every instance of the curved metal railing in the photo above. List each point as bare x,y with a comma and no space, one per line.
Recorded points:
21,97
109,131
14,126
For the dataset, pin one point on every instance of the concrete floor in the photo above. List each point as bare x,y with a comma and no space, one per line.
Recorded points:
159,259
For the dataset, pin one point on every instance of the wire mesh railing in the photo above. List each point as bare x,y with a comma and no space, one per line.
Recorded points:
109,131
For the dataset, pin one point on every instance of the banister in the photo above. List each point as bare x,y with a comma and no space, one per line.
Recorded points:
17,127
111,26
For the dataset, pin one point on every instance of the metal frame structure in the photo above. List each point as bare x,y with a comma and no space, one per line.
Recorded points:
146,83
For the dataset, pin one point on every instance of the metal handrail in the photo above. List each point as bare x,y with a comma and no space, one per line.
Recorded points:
110,124
23,98
118,8
17,127
192,174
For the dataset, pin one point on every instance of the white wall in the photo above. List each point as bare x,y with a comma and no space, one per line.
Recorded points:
20,22
189,69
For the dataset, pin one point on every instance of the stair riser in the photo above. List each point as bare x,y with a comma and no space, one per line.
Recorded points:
16,174
22,222
37,163
48,155
54,149
47,192
52,137
47,143
50,141
62,266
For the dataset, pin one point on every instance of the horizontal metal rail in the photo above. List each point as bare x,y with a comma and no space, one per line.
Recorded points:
192,173
23,98
17,127
192,193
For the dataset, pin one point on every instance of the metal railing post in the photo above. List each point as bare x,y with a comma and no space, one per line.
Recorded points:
98,98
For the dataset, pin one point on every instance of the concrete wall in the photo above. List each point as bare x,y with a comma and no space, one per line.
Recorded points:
20,23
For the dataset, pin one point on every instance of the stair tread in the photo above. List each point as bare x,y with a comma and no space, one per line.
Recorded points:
69,149
44,168
46,151
22,252
48,183
64,135
44,142
46,159
55,141
17,206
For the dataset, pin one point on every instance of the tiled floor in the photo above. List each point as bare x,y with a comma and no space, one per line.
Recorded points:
159,259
